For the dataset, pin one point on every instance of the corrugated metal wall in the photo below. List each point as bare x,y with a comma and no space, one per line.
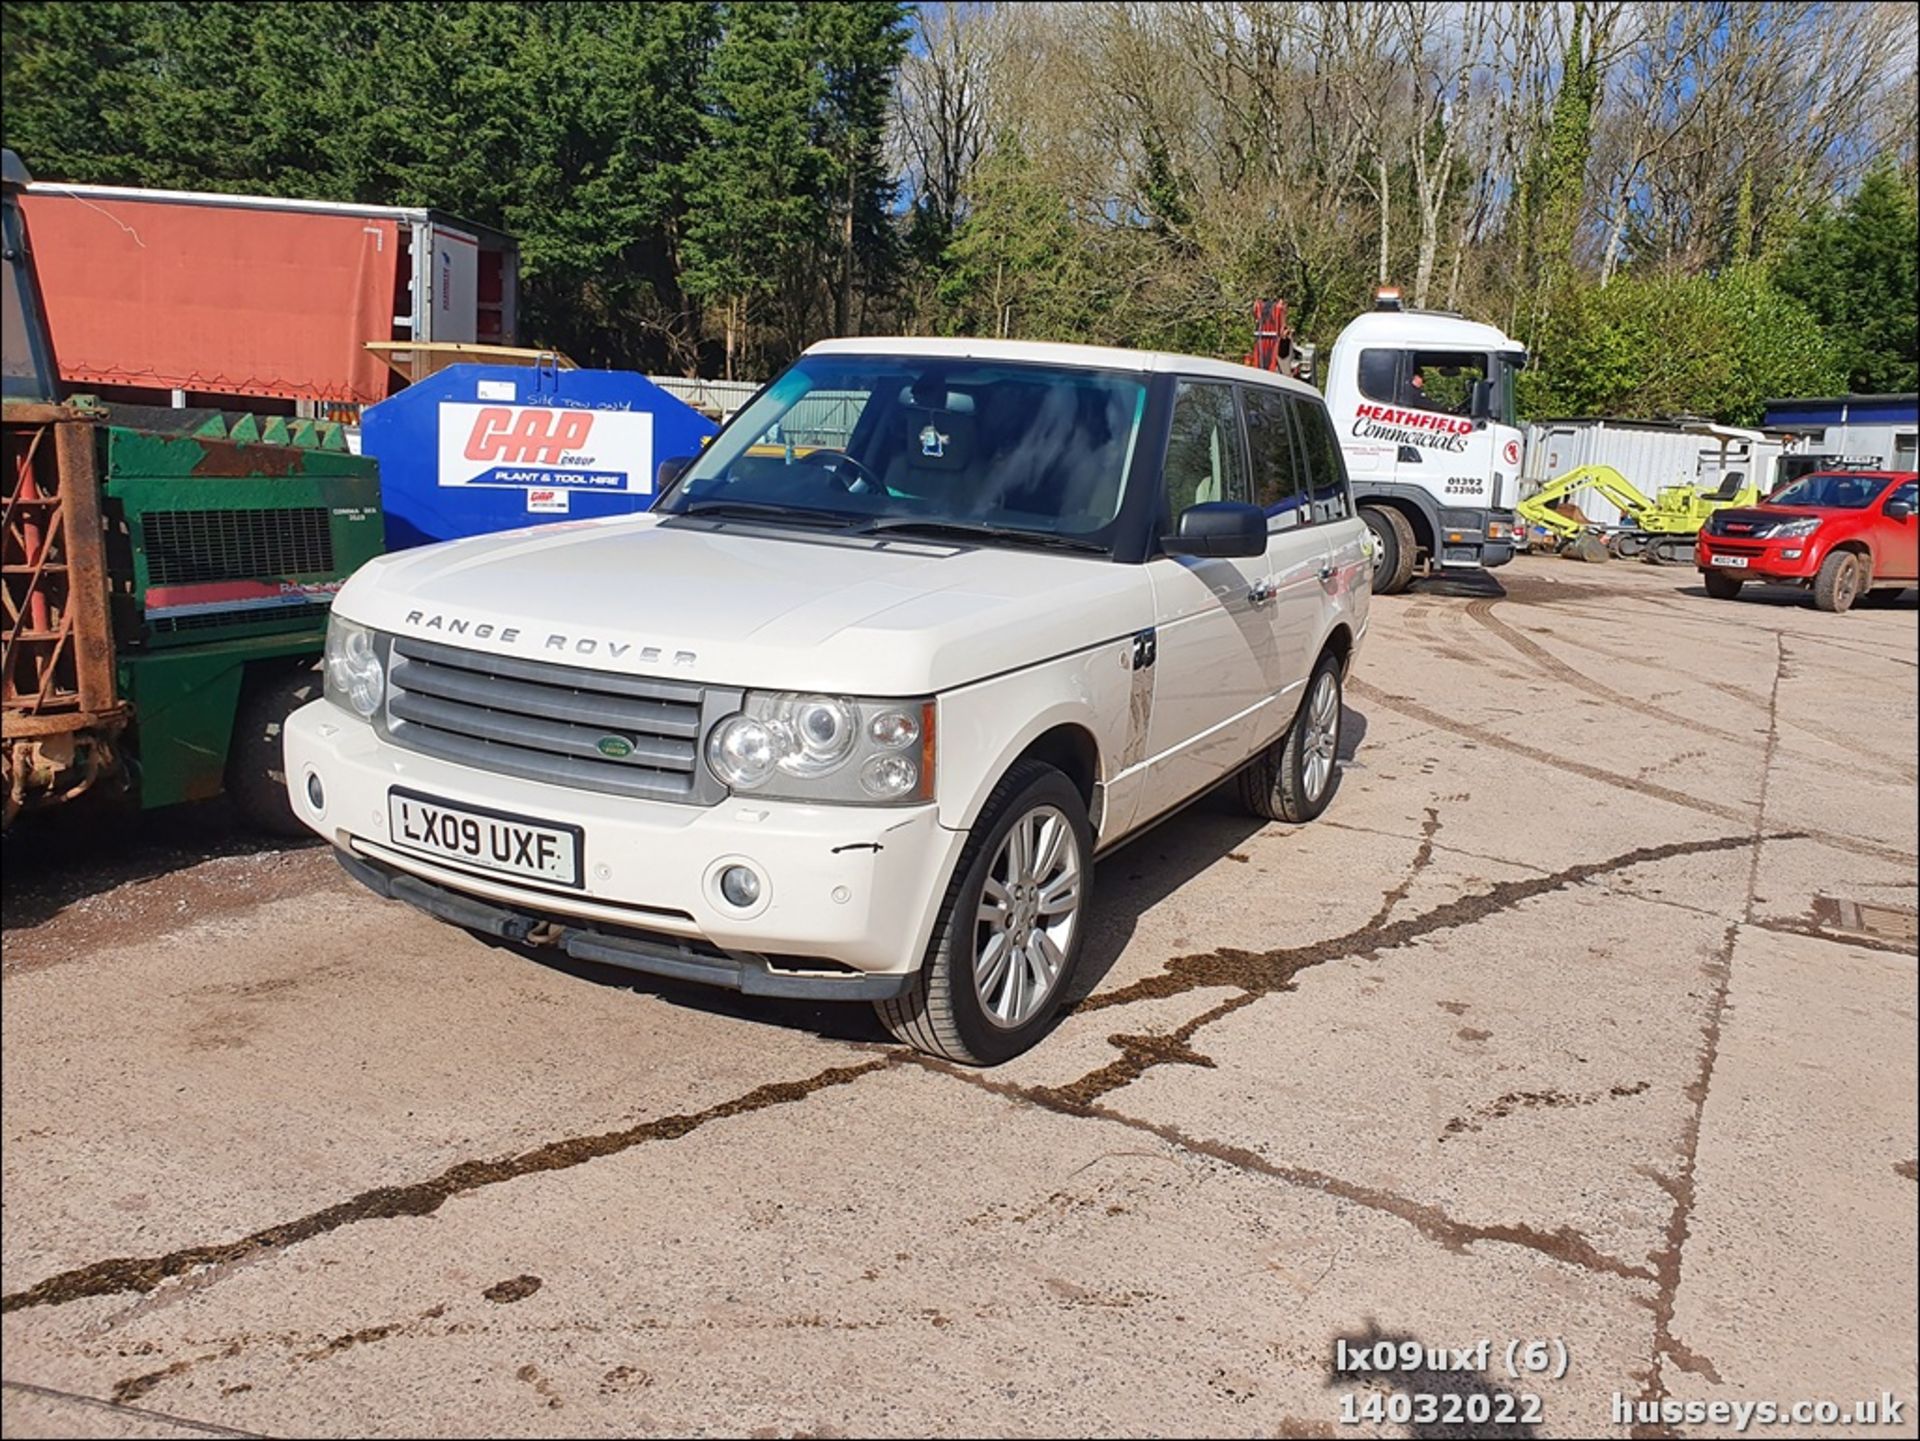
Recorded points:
1649,456
717,398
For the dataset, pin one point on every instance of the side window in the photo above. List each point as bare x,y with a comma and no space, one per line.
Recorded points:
1278,486
1905,494
1380,376
1326,466
1204,460
1443,380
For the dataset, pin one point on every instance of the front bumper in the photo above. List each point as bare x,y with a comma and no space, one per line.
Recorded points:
1475,539
848,891
635,951
1765,559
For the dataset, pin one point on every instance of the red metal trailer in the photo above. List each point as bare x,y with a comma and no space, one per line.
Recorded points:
176,297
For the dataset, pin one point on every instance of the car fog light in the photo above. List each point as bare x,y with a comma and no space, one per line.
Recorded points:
1790,554
739,886
316,793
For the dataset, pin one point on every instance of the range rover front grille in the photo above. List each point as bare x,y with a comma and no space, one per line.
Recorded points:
565,725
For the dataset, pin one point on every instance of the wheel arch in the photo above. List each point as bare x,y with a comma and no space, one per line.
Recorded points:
1339,642
1057,738
1425,535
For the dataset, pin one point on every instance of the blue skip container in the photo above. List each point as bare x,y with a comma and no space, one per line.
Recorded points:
474,449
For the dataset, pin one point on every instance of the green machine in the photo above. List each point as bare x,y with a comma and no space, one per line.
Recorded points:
167,579
226,539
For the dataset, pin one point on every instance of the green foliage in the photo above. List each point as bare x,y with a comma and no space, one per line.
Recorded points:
705,186
789,185
1014,265
1717,346
594,133
1855,269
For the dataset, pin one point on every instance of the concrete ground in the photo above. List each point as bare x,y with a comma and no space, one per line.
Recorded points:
1586,1016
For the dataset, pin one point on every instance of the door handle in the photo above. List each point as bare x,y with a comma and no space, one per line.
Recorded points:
1261,593
1326,570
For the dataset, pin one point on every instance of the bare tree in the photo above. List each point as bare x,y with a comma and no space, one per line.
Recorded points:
942,112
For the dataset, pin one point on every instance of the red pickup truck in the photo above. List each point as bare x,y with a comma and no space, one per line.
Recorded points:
1848,535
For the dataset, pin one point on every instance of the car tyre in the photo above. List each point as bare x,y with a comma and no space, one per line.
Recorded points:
1720,585
1838,584
1010,928
256,776
1292,780
1394,548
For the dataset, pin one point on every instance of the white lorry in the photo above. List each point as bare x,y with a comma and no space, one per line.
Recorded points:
1424,404
851,712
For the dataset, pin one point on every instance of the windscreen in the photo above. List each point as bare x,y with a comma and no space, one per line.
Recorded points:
1019,447
25,364
1831,490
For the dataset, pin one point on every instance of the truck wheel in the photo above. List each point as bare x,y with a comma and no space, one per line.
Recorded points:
1838,583
1292,780
1010,927
1720,585
256,770
1394,548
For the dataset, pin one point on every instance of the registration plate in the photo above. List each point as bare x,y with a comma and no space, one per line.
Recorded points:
1732,562
487,840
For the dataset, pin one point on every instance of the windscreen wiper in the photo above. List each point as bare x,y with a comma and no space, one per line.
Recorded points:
759,510
973,530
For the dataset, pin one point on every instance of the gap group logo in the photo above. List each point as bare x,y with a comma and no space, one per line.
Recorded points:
519,446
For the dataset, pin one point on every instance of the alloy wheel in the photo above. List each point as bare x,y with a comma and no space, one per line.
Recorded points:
1029,906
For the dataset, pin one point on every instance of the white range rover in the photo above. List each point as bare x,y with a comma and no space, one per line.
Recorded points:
851,712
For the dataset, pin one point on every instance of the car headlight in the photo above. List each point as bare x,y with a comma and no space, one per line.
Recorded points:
1786,529
826,748
355,679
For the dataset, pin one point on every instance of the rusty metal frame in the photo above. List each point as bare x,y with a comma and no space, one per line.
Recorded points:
84,630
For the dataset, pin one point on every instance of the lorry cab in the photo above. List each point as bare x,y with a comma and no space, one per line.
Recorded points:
1423,402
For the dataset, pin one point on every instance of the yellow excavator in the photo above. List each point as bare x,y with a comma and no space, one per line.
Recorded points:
1659,529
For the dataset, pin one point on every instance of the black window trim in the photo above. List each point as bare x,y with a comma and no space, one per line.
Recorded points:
1488,360
1175,380
1292,400
1339,457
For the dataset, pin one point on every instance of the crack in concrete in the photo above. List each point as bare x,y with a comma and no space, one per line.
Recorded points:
142,1413
1668,1262
1838,938
1256,974
1422,858
1438,849
1141,1053
1565,1245
420,1198
1408,706
1262,972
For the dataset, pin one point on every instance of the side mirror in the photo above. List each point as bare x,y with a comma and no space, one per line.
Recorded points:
1899,510
1219,528
670,470
1480,401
